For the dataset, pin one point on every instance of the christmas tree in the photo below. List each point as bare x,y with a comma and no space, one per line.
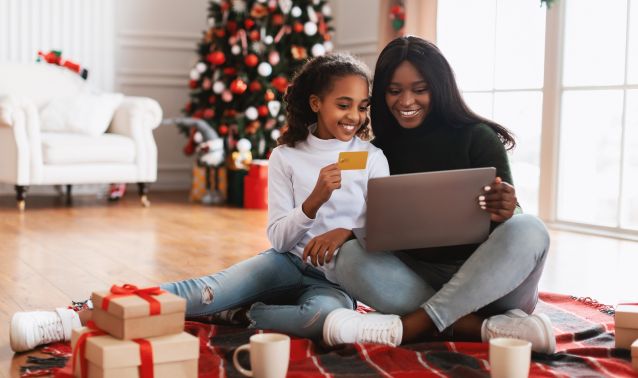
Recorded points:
246,60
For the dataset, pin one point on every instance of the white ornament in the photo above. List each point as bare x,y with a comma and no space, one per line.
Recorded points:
312,15
219,87
239,6
264,69
243,145
252,113
198,137
326,10
261,1
328,45
274,107
268,39
201,67
275,134
285,6
281,118
296,12
310,28
211,22
318,50
235,50
194,74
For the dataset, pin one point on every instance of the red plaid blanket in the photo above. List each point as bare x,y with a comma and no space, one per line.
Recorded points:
584,333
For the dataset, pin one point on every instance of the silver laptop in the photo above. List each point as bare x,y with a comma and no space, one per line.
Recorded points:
422,210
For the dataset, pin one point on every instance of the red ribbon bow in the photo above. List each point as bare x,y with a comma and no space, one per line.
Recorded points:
128,289
146,353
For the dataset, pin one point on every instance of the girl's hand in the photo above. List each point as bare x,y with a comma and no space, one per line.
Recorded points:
321,248
329,179
499,199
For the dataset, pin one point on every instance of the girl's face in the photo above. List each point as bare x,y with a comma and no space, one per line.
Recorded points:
341,111
408,96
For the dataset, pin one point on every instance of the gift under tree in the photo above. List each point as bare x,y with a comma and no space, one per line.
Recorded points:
246,59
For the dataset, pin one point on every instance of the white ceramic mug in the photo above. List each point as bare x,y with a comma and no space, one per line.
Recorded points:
510,358
269,355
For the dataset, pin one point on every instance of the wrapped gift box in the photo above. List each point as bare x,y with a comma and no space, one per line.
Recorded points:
625,337
129,317
173,356
256,185
626,316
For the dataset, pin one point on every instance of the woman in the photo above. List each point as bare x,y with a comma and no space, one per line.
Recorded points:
466,292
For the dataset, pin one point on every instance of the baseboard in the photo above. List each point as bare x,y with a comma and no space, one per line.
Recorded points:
169,177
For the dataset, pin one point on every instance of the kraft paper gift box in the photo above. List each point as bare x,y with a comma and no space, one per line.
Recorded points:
626,320
173,356
634,355
140,315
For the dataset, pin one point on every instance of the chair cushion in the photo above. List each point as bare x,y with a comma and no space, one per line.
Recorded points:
70,148
84,113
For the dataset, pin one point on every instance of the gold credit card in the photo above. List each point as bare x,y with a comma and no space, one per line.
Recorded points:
353,160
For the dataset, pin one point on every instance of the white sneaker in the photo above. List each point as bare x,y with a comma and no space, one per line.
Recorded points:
347,326
30,329
536,328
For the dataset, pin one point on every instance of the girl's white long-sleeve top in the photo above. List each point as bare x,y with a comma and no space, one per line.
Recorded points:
292,175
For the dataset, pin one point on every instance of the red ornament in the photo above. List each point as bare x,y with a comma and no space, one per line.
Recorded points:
254,35
217,58
269,96
212,99
231,26
209,113
220,33
255,86
188,107
231,113
252,127
297,27
249,23
396,9
277,19
192,84
251,60
262,110
198,114
223,130
280,83
230,71
238,86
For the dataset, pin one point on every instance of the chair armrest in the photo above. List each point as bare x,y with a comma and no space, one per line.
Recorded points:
10,111
20,140
136,112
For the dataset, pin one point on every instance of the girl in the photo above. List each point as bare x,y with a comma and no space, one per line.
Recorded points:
472,292
313,206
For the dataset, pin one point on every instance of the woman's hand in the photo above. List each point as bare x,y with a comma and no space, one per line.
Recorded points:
499,199
329,179
321,248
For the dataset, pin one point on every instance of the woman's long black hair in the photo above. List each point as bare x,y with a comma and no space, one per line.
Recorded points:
446,103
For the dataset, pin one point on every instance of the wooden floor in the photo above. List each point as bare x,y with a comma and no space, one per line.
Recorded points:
53,253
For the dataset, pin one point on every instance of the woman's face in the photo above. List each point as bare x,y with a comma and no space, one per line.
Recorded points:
408,96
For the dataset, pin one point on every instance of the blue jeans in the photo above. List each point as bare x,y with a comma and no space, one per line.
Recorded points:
286,294
502,274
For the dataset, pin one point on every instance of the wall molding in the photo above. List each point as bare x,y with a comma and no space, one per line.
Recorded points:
158,40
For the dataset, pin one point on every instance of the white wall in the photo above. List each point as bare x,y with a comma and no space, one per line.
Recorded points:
154,47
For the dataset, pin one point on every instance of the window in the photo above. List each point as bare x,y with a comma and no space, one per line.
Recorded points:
496,48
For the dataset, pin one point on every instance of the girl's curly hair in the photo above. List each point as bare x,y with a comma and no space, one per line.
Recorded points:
316,77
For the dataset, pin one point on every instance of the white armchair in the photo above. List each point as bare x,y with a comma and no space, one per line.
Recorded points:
29,155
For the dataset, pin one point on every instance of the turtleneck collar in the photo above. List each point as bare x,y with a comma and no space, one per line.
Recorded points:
429,124
326,144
